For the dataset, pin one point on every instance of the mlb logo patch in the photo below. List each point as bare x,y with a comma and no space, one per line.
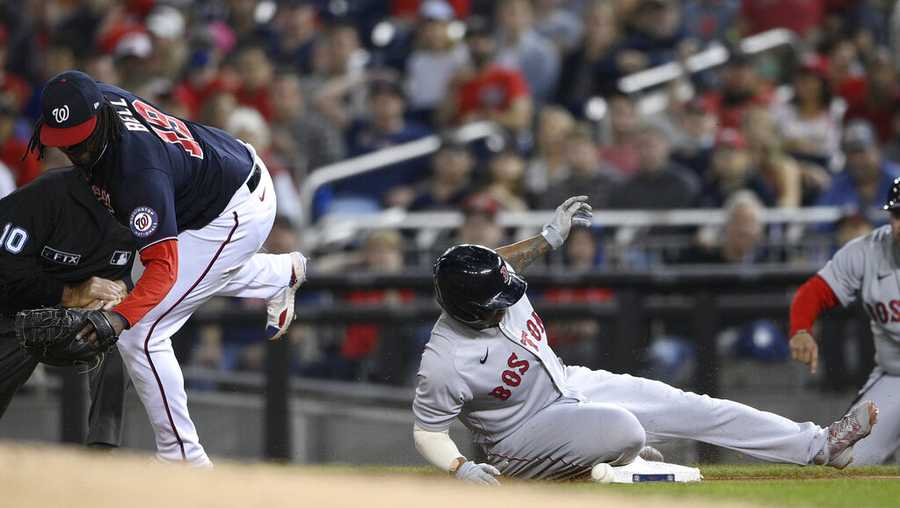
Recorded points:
120,258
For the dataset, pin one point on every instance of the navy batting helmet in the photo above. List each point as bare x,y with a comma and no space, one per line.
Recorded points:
893,199
472,282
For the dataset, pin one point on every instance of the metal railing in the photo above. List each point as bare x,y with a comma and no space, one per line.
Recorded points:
385,157
715,55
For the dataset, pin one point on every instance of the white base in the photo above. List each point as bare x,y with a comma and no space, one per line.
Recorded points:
604,473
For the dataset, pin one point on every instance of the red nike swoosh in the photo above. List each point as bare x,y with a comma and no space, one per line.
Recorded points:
263,195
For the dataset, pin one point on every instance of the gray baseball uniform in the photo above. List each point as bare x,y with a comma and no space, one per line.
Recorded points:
868,268
536,418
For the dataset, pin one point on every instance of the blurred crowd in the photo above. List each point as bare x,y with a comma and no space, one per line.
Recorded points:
313,82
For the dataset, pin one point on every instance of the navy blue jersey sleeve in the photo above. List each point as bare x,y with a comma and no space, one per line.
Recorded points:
24,220
150,207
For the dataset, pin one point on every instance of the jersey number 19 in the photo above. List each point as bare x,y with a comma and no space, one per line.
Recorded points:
169,128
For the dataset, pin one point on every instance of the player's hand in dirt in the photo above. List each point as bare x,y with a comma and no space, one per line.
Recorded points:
805,350
482,474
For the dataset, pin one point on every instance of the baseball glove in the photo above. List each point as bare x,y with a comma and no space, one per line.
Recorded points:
49,335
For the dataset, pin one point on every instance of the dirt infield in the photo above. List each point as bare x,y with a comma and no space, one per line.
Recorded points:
71,478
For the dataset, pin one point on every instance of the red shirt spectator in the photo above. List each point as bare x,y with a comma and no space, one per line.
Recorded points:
362,338
494,89
798,15
24,171
731,112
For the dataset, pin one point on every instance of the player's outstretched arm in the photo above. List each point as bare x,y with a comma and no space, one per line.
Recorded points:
574,211
441,451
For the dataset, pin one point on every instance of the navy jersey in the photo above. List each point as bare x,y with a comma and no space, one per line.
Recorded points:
167,175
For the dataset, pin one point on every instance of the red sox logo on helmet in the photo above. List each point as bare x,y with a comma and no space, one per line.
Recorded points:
504,272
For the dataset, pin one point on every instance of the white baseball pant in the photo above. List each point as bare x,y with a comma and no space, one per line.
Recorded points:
219,259
884,440
624,412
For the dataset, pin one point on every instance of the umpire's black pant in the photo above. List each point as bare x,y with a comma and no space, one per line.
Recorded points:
108,383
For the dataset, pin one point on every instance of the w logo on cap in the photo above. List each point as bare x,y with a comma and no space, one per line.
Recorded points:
61,114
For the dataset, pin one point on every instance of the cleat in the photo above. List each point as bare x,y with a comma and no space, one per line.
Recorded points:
844,433
280,308
651,454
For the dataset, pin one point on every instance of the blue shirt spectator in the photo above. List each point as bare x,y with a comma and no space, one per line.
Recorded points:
865,181
385,127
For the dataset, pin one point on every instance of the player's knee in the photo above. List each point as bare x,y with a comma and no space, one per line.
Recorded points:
633,438
619,436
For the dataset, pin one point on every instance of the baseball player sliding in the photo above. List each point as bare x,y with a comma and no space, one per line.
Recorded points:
199,204
866,268
488,363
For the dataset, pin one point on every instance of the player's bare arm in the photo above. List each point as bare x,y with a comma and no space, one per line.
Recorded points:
523,253
573,211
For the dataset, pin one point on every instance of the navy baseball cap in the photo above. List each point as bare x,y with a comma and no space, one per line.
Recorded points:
69,105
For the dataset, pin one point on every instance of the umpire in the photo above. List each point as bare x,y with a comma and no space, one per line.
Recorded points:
59,246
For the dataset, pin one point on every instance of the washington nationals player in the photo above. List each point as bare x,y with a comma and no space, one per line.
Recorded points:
488,363
866,268
198,202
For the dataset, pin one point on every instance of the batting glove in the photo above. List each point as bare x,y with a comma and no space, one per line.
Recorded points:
481,474
573,211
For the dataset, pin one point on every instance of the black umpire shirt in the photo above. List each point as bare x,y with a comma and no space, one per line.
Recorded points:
53,232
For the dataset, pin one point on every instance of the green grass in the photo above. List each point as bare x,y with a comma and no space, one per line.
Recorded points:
763,485
779,485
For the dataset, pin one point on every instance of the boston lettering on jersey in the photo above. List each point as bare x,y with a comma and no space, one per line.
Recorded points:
513,376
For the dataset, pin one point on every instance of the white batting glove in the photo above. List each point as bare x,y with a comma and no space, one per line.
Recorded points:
481,474
574,211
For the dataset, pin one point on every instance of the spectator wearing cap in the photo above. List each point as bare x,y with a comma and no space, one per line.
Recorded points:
620,146
656,31
808,125
202,79
866,179
523,48
166,29
248,124
731,170
659,183
593,67
450,181
694,146
296,24
584,173
485,90
385,126
480,224
741,88
437,57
